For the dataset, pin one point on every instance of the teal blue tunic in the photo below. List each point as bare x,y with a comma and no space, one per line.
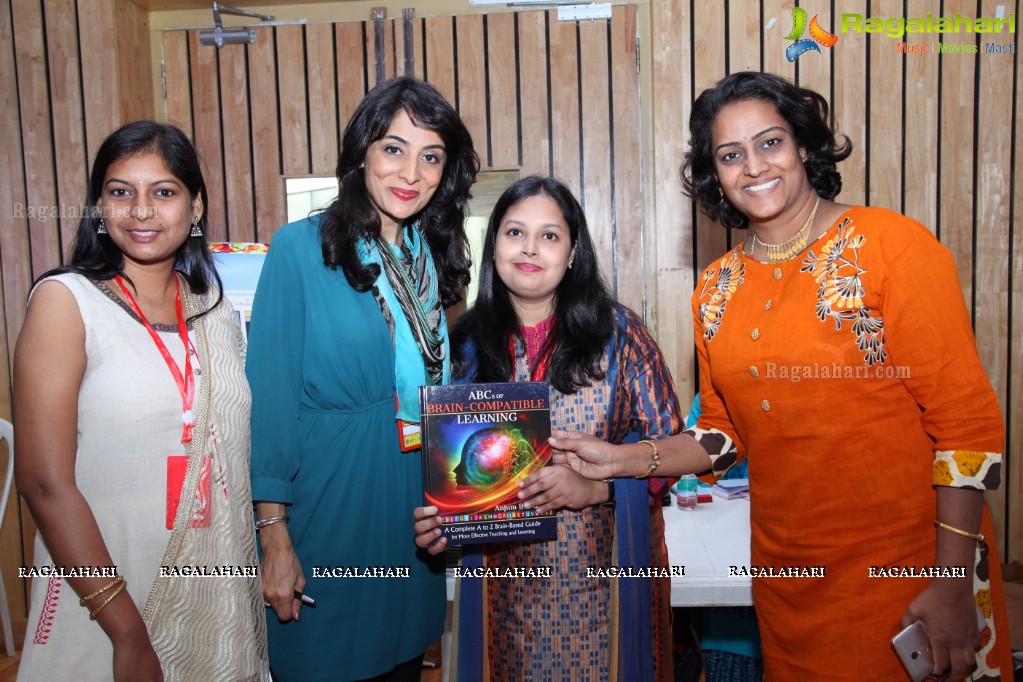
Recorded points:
324,441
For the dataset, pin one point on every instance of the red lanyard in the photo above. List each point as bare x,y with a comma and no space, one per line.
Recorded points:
538,372
186,384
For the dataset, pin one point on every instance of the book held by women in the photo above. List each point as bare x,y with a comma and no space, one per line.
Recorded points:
479,442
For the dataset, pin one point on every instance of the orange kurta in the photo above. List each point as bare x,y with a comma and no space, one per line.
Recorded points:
848,376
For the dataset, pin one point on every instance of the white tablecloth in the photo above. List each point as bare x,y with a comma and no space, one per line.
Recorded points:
708,541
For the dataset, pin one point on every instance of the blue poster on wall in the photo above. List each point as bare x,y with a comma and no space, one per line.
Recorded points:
239,265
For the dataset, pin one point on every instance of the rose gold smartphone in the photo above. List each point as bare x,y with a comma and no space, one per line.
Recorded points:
913,647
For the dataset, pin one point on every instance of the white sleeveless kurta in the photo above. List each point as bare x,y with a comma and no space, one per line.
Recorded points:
129,421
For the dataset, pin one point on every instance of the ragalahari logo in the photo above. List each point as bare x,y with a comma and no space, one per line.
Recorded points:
818,35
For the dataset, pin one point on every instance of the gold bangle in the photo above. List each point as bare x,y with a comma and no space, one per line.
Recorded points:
979,537
655,460
92,614
263,523
118,579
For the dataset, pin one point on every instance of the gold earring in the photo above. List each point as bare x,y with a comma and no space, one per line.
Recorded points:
721,194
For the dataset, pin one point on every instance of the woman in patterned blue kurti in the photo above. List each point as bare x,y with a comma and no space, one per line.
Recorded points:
347,323
541,288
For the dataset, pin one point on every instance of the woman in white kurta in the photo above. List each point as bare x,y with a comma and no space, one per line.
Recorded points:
130,396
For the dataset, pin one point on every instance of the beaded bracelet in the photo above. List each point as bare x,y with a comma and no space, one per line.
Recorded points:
93,614
979,537
263,523
655,460
118,579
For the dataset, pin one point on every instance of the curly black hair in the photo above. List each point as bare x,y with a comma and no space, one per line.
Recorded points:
804,110
353,218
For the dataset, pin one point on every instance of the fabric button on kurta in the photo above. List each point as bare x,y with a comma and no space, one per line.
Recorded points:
777,273
765,405
756,333
767,304
753,372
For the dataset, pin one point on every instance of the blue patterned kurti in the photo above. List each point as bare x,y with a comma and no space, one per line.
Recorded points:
572,626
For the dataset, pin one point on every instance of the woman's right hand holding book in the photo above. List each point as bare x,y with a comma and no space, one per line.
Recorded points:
427,529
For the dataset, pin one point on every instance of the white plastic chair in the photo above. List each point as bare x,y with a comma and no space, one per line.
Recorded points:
7,434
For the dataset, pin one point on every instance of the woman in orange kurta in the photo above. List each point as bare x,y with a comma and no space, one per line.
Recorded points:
845,367
836,351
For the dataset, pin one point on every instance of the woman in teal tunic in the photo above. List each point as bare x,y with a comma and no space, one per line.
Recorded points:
348,322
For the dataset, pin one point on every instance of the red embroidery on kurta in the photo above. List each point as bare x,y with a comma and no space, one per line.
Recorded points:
49,610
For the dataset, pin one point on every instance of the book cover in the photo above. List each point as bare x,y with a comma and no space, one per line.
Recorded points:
479,442
730,488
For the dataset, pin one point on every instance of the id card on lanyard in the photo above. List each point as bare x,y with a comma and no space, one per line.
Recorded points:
410,435
177,465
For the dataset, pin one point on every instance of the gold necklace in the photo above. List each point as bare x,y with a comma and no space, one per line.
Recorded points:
778,253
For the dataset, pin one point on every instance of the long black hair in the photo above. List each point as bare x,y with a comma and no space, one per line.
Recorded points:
804,110
583,306
95,255
353,218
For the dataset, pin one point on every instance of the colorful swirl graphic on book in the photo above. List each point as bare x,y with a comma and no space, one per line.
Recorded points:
485,465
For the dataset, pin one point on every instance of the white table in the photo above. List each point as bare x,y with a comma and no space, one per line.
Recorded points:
707,541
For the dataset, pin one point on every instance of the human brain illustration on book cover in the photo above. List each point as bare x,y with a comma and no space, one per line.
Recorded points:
479,442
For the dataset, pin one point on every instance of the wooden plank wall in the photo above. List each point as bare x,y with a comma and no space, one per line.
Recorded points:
309,79
936,137
59,97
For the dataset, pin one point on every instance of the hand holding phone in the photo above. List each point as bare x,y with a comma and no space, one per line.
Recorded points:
913,647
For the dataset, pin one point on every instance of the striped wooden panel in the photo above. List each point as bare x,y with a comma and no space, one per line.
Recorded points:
208,132
66,103
955,172
292,99
471,80
992,229
710,56
322,82
534,76
777,22
268,180
237,143
97,26
920,138
503,119
885,124
15,276
813,70
597,179
632,252
351,70
36,133
744,37
676,53
564,68
133,62
849,102
438,35
177,107
1013,481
